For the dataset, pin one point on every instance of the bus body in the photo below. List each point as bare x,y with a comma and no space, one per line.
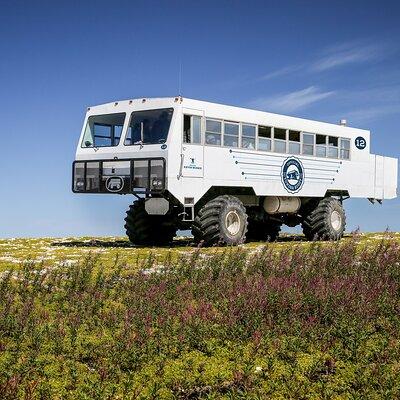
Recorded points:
178,153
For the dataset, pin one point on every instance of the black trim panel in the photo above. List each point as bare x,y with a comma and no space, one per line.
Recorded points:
128,180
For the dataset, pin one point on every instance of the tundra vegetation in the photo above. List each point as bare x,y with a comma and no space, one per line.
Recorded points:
99,319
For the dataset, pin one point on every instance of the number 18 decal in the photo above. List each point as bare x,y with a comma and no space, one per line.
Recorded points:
361,143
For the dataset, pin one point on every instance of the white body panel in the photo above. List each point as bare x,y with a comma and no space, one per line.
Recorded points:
192,169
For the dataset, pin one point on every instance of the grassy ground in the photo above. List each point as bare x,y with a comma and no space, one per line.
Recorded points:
52,251
84,318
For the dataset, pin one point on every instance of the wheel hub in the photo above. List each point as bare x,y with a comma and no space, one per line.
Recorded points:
336,220
232,222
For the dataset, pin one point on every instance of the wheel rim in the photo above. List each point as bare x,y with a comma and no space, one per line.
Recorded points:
232,222
336,220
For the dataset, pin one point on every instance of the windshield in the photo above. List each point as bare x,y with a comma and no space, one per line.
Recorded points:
103,130
149,126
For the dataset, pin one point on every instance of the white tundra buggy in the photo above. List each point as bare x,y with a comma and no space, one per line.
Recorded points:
227,173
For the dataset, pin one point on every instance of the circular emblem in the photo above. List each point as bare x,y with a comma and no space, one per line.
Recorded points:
360,143
163,146
114,184
292,174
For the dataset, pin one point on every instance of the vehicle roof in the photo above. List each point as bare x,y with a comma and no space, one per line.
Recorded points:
215,110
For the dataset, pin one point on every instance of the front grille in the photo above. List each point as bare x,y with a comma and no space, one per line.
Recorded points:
139,175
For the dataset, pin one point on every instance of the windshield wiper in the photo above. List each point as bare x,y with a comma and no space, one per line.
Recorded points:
140,143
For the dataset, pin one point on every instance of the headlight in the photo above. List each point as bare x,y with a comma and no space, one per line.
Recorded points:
79,176
156,183
156,174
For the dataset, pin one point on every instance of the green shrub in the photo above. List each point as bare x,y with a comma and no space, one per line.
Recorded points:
312,322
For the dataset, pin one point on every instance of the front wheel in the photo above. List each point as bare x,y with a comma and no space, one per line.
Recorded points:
222,220
326,220
147,230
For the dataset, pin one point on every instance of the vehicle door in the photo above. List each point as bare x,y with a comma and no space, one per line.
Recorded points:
192,154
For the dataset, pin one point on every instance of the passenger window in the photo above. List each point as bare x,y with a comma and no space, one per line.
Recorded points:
192,129
294,136
279,140
333,150
294,148
321,139
321,145
321,151
294,142
231,134
333,141
248,136
308,144
213,132
345,149
264,138
279,133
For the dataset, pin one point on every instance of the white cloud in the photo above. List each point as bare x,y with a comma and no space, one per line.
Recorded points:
280,72
348,53
291,101
354,52
372,103
367,114
380,96
389,93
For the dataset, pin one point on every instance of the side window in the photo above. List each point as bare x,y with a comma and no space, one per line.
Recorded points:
187,129
196,129
279,140
264,138
294,142
321,145
345,149
213,132
308,144
192,129
231,134
333,147
248,136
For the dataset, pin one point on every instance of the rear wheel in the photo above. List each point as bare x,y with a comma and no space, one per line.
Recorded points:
222,220
144,229
324,220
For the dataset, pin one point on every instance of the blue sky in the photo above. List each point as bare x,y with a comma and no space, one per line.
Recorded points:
318,60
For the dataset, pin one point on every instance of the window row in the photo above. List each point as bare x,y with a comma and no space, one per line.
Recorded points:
264,138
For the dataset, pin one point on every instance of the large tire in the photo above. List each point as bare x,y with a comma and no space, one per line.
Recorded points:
144,229
324,220
263,230
222,221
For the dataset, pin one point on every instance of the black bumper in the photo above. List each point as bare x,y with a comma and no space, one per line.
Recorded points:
122,176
